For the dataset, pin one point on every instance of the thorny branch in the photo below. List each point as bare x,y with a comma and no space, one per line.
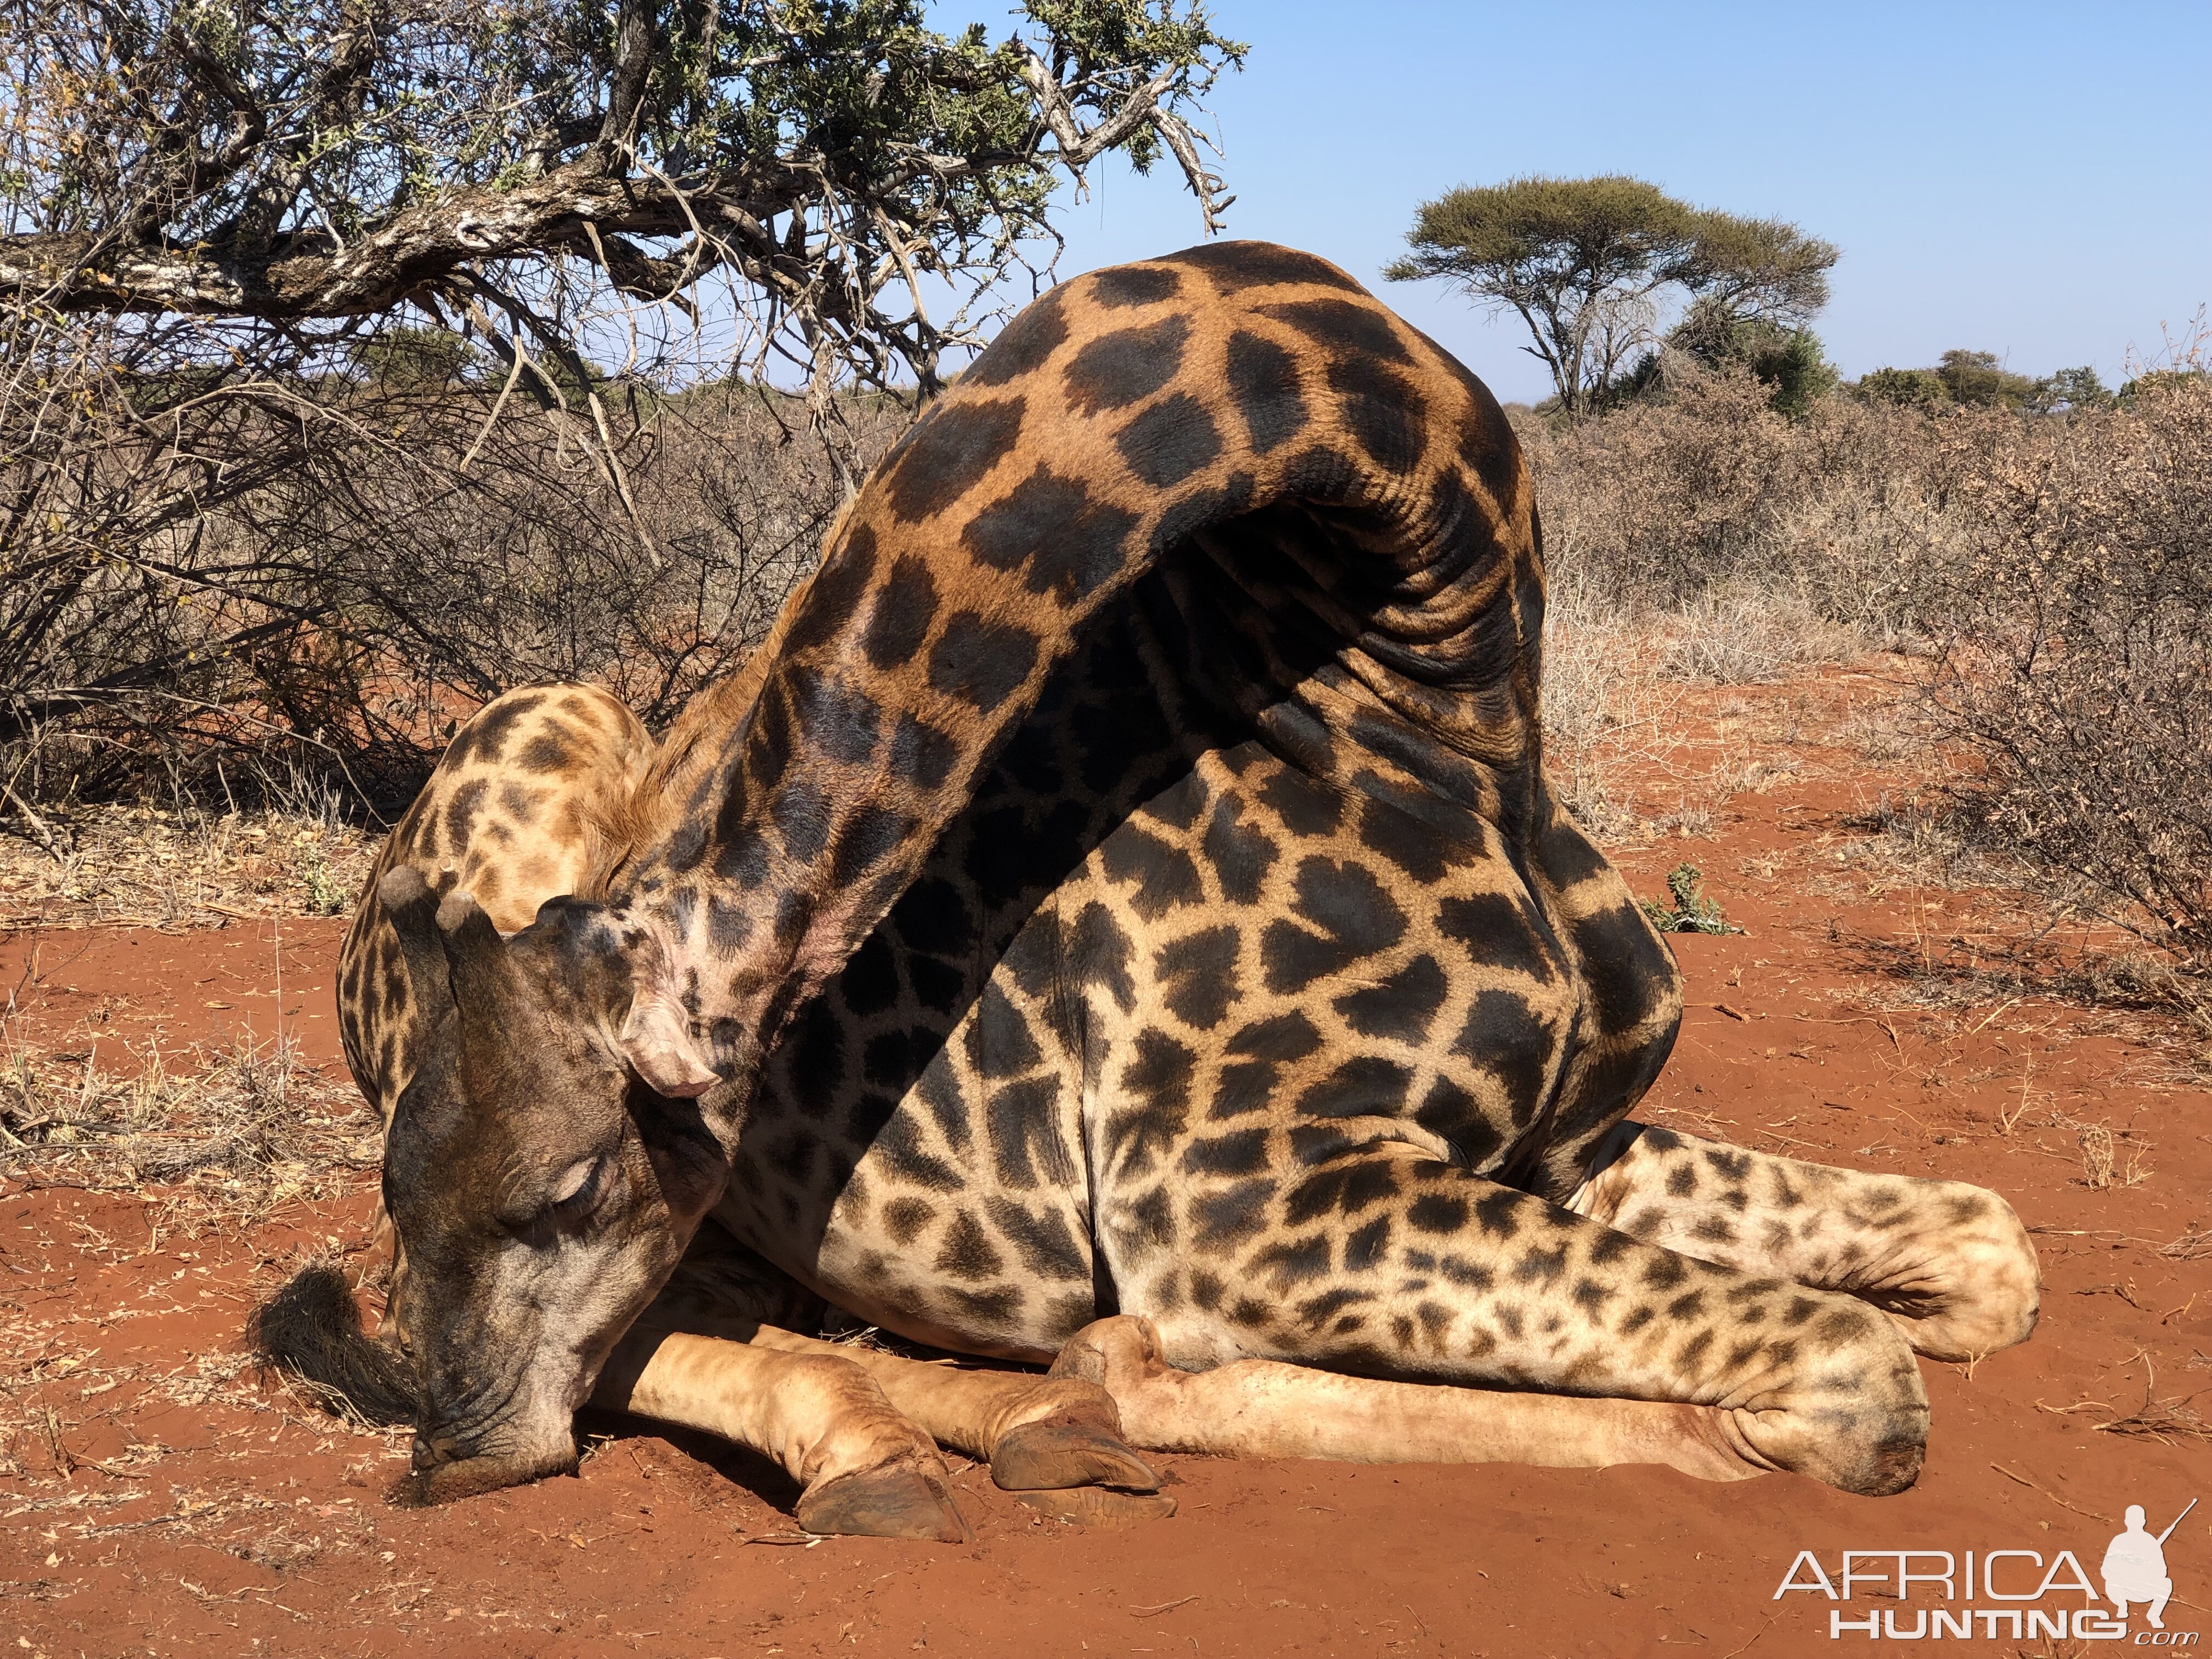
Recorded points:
244,490
330,159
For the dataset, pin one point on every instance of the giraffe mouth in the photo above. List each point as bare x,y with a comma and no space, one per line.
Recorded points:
311,1329
449,1481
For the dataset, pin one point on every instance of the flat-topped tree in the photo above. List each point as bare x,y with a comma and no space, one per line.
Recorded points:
1588,263
842,167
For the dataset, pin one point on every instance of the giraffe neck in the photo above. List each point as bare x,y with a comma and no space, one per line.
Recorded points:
1124,419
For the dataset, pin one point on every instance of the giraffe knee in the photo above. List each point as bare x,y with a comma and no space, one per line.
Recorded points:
2004,1265
1853,1413
1118,1352
1875,1404
1977,1286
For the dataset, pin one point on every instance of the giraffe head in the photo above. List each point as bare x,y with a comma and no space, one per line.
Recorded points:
543,1171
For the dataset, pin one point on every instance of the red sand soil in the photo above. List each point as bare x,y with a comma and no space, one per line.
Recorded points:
174,1504
78,991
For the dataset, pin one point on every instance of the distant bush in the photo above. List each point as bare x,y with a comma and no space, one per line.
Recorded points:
2156,380
1977,377
1909,388
414,357
2076,655
1798,369
2069,389
1791,362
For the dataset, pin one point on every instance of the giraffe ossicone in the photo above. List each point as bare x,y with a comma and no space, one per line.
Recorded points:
1119,918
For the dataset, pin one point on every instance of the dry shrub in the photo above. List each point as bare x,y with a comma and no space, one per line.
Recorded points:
2054,572
1712,515
1706,539
227,564
2095,1141
2076,661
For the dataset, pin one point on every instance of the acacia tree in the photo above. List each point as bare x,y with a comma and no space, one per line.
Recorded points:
835,161
246,476
1588,265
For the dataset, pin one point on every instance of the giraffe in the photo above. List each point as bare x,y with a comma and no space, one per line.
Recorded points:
1121,919
515,812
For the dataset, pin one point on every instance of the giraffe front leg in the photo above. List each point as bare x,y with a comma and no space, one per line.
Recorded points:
1949,1263
1056,1442
865,1469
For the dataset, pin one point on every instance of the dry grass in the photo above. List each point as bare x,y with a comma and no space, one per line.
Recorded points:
1707,541
2095,1141
1745,636
1608,722
47,1403
212,1143
1624,709
190,1152
2163,1420
235,1132
1882,735
2194,1245
144,866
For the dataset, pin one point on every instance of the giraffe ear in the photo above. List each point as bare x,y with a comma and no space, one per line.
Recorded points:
656,1041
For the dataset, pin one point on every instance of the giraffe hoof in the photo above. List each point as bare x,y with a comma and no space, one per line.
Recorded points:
1095,1506
887,1503
1047,1455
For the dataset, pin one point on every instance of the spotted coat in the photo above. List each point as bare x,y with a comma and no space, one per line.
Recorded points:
1127,881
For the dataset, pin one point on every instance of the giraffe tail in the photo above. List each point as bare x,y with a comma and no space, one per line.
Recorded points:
311,1329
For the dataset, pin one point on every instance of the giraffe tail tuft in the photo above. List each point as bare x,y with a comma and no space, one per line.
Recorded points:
311,1329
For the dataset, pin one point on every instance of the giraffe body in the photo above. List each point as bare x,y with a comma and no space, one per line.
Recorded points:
1126,883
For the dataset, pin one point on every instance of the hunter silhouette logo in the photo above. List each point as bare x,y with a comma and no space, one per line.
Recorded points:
2134,1567
1915,1595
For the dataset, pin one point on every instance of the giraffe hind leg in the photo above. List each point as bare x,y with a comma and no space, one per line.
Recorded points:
1949,1262
1423,1271
1268,1408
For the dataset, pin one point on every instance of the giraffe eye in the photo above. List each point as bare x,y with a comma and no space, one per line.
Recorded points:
579,1191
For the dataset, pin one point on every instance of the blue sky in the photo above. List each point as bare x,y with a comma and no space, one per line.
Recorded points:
2035,180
